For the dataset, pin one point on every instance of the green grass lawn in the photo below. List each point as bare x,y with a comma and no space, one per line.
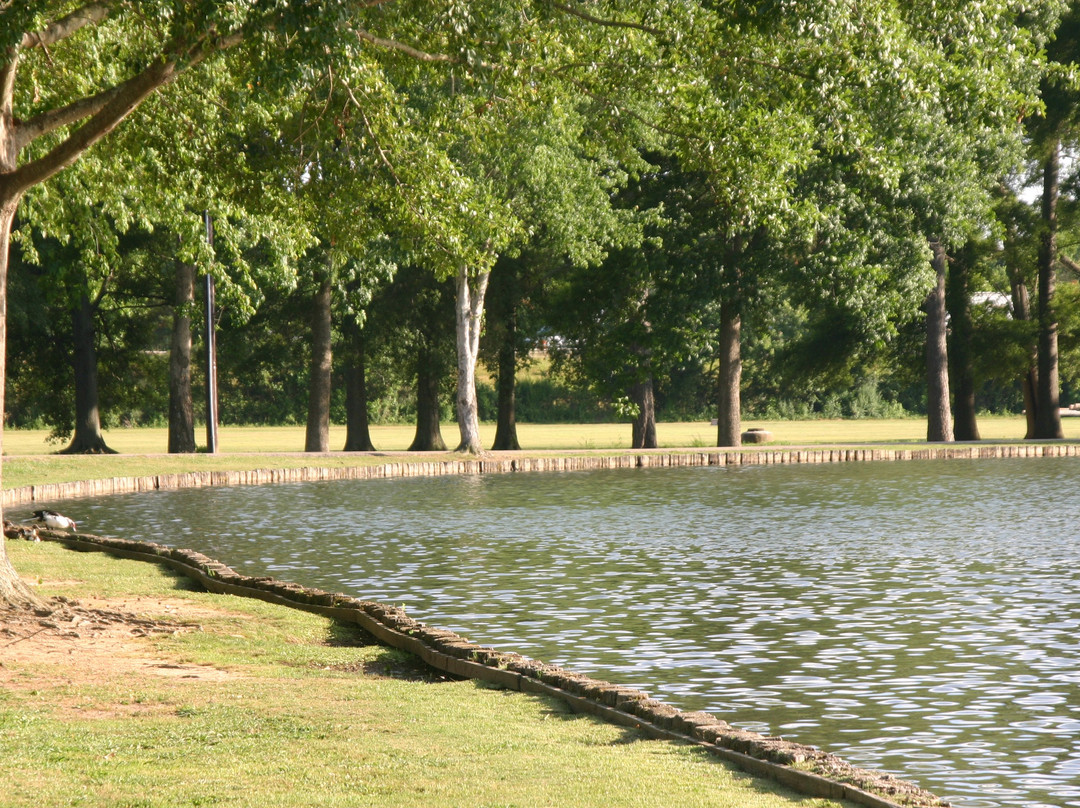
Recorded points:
250,704
30,459
540,437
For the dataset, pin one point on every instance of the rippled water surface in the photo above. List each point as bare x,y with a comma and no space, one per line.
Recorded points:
918,617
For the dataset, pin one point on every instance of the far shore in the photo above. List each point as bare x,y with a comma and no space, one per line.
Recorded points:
538,437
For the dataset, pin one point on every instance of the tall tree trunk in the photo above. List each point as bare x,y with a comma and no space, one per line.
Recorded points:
106,115
938,413
644,430
729,413
318,420
1029,379
958,304
181,406
357,428
470,312
506,438
13,590
428,436
87,438
1047,412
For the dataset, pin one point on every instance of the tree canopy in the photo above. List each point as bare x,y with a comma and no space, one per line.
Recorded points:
828,150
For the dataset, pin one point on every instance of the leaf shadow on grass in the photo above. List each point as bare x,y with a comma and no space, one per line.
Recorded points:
391,663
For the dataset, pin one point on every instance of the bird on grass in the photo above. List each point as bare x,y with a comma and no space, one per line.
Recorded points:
55,521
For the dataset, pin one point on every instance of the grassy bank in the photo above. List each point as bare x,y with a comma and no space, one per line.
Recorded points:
30,459
540,437
230,702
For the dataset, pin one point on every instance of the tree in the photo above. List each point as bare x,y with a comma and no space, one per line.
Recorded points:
104,59
1058,126
958,293
414,314
181,406
318,422
939,413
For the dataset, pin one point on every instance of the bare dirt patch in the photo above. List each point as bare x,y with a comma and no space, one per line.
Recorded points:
74,642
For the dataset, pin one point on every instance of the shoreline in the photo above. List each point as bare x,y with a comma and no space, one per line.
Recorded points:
516,462
803,768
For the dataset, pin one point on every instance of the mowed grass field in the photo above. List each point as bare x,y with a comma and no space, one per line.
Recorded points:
30,458
540,437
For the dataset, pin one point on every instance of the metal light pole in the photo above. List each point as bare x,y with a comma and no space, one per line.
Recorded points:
211,352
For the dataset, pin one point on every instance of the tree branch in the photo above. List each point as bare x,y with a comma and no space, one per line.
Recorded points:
89,14
1069,263
408,50
608,23
46,122
119,102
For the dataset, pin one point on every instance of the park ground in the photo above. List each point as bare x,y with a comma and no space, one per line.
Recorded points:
140,689
30,457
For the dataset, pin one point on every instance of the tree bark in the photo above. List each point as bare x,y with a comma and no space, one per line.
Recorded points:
318,421
958,305
1047,411
87,438
102,113
14,592
470,312
428,436
644,429
181,405
506,438
938,413
1029,380
357,427
729,414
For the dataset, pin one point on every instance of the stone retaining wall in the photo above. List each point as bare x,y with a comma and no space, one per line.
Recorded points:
802,768
51,492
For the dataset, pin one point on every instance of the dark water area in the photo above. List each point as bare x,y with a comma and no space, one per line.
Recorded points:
918,617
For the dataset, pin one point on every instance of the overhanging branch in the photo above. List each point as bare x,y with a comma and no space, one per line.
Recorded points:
408,50
111,107
89,14
46,122
636,26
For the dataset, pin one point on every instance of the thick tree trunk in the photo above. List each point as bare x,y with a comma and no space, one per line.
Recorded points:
729,413
958,304
938,413
13,590
428,436
104,117
357,428
1029,380
644,429
318,420
1047,412
506,438
470,311
87,438
181,405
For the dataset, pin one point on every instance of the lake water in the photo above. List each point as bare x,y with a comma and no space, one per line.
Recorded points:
919,617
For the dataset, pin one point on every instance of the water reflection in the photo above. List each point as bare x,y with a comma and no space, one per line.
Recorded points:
916,617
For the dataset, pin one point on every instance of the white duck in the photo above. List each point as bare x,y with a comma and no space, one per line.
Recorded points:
55,521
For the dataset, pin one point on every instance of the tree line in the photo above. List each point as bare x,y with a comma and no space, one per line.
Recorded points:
713,208
688,179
